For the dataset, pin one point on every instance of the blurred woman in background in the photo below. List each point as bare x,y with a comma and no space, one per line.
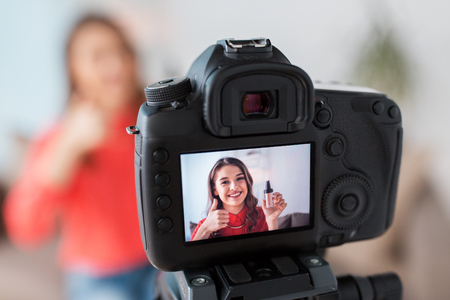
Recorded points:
79,174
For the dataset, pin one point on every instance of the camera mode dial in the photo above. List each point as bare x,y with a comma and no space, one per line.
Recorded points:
347,202
168,92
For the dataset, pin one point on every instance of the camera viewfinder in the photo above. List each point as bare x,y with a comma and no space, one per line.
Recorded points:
256,105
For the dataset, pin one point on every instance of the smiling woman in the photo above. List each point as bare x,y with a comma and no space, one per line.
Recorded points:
233,207
231,188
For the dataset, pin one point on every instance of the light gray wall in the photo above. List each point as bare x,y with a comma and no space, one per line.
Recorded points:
322,37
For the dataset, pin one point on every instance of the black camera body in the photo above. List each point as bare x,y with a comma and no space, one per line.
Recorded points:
336,152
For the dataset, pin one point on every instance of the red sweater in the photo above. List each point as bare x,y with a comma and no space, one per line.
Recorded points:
235,224
96,213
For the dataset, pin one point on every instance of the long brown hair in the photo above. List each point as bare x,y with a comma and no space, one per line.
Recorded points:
251,201
104,21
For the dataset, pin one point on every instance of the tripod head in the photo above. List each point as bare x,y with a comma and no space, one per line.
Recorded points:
305,277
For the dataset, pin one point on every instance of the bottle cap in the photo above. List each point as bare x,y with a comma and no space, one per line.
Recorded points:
268,188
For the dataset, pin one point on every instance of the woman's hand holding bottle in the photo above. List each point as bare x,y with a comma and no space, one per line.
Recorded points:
272,213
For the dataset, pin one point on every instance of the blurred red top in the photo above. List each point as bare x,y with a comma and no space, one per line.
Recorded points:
237,224
96,215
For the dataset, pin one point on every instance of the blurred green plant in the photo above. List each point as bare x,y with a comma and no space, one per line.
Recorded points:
382,63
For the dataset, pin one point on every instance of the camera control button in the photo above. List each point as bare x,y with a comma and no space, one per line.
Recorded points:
331,240
393,112
323,116
163,202
162,179
348,204
168,91
161,156
285,265
237,273
335,147
378,108
165,224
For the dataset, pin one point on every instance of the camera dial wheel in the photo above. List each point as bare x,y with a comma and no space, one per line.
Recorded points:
347,202
168,92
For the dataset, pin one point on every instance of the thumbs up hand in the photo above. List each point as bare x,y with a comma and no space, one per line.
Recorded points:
217,218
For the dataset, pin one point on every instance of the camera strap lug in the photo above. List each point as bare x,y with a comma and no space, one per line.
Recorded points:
132,130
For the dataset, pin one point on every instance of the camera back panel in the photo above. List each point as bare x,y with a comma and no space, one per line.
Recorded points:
335,152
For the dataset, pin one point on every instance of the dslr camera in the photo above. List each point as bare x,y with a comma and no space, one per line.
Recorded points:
247,167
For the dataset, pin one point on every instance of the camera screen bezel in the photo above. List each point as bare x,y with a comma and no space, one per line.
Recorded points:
255,235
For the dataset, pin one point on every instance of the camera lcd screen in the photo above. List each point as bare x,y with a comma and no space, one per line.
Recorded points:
233,193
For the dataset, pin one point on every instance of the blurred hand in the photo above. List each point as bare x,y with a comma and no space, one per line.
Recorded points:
272,213
84,126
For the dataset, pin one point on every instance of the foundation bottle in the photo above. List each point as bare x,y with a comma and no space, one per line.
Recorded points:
268,194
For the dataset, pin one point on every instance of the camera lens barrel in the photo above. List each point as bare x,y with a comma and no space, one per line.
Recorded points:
377,287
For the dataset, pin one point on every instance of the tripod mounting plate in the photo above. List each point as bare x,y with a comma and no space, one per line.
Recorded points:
281,278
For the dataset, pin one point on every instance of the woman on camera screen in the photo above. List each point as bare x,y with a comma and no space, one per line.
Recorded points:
232,206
